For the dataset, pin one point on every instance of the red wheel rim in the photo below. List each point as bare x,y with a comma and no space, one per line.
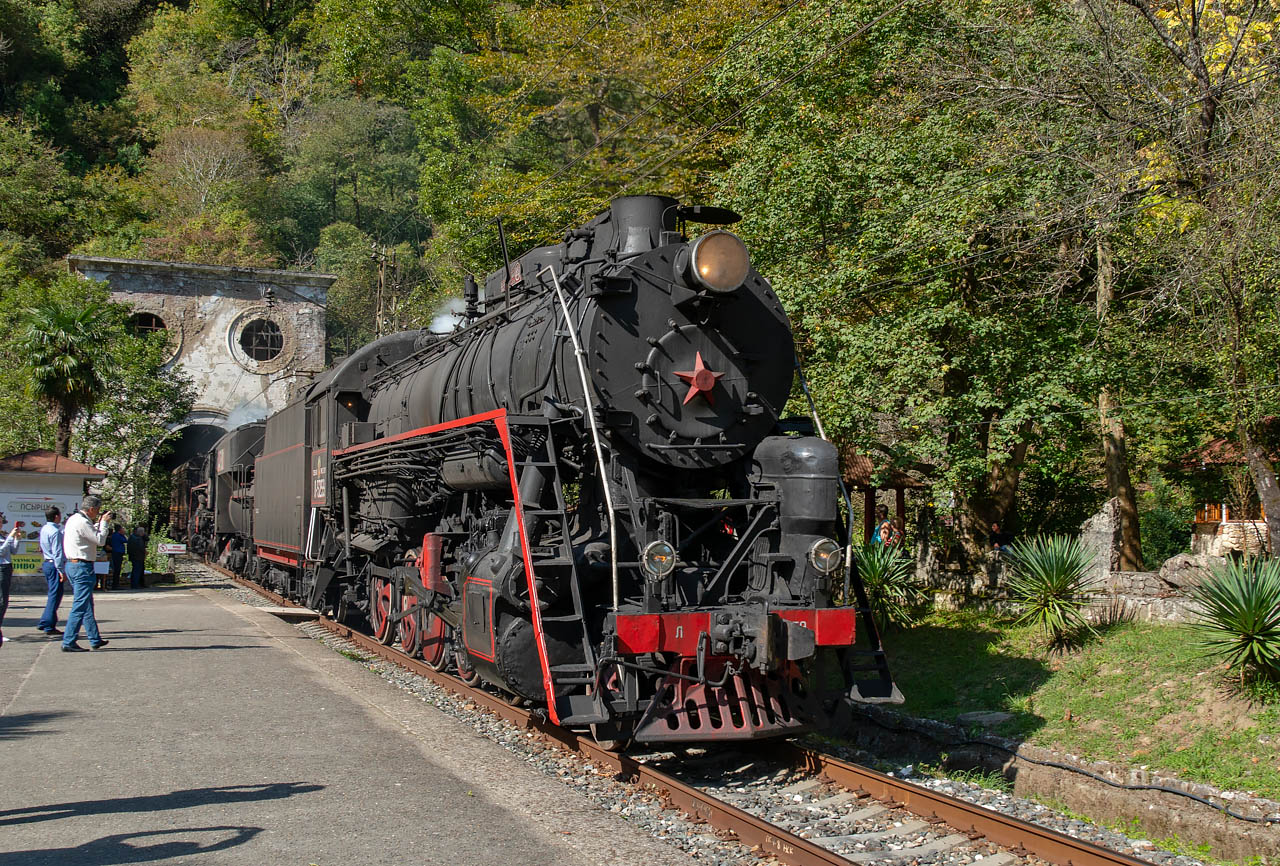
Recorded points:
408,629
434,642
380,607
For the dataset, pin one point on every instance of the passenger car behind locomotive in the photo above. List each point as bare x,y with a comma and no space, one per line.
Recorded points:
211,500
583,495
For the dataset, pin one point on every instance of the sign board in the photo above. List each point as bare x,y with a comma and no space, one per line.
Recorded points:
28,563
29,507
171,549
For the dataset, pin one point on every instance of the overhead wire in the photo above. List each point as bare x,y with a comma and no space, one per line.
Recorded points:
776,84
941,197
893,283
1117,410
661,99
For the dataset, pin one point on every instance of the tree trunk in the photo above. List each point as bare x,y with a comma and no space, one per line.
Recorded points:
1115,451
1119,484
1264,479
991,505
62,427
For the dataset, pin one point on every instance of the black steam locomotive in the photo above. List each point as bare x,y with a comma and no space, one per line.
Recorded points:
583,495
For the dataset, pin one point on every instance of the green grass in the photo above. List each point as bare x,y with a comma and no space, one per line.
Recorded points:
1138,693
991,781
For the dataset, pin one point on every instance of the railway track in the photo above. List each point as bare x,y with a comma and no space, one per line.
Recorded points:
849,814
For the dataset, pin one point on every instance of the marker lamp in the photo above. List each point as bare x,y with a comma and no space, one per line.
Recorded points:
659,559
825,555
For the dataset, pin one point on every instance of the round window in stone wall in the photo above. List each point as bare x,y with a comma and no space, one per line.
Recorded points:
142,324
261,339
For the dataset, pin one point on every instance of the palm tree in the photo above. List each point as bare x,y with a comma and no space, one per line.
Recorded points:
65,348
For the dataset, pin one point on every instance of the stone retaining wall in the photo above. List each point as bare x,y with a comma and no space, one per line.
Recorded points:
1061,781
1149,596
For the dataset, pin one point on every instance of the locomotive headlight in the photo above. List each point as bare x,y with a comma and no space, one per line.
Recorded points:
719,261
825,555
659,559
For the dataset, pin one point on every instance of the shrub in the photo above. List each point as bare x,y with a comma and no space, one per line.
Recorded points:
1165,514
1049,576
888,575
157,563
1241,616
1166,532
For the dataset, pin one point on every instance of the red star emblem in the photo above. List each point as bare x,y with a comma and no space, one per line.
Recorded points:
700,380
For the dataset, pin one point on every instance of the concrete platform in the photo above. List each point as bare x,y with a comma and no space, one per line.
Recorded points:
211,732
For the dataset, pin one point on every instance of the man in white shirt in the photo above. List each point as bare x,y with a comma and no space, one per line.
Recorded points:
80,542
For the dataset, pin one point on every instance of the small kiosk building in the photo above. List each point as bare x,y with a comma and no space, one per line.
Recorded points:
30,484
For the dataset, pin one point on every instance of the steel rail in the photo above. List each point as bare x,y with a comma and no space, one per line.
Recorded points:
1021,838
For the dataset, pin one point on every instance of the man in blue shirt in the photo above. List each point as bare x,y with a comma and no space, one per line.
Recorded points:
116,544
55,570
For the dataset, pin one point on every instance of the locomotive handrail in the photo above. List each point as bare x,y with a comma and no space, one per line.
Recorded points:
595,433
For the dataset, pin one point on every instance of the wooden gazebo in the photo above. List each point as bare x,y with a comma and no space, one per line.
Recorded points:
860,475
1220,527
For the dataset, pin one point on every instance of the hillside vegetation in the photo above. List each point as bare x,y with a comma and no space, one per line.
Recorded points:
1002,229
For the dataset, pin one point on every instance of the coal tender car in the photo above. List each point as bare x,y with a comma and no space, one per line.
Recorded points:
583,495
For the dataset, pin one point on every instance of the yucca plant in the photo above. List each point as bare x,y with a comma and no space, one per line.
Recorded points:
889,576
1241,616
1049,576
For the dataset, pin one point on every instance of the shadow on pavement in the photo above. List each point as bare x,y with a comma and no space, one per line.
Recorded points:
115,849
185,799
24,724
14,620
164,649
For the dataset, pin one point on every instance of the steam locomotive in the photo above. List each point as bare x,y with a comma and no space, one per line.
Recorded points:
585,495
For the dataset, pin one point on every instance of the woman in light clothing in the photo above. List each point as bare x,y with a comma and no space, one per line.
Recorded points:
7,550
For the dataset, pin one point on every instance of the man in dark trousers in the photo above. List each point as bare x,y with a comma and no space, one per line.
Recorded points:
55,570
137,548
7,550
116,543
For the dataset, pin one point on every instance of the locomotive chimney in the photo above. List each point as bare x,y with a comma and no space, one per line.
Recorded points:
639,220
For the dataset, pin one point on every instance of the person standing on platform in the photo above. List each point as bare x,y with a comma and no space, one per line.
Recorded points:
117,543
138,558
55,569
86,531
7,550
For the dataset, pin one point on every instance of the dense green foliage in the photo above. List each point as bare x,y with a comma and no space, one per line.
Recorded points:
1167,514
980,216
1050,579
61,342
1241,616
